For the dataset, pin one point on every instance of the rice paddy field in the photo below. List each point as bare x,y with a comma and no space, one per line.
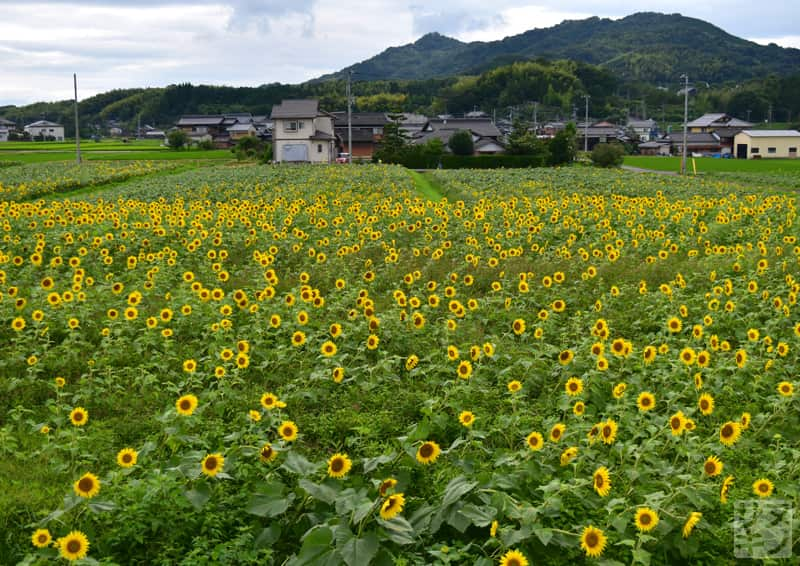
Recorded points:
326,365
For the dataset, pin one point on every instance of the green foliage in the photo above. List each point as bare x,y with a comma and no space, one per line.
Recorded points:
460,143
499,161
205,145
522,141
607,155
648,47
177,139
562,150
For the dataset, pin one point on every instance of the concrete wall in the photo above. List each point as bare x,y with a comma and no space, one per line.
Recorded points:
781,145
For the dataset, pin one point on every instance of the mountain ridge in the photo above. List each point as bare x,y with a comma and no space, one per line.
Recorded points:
647,46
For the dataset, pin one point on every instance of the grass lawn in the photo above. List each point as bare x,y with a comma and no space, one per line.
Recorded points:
711,165
86,145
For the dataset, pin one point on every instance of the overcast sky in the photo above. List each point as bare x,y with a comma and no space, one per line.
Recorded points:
139,43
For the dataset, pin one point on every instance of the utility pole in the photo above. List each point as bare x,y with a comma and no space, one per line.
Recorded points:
349,119
138,126
535,121
77,123
685,120
586,125
748,114
769,116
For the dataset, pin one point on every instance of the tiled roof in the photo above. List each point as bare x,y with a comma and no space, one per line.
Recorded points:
296,109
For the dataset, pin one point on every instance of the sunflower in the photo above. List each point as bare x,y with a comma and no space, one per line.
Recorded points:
87,486
557,432
786,388
741,358
288,431
593,541
514,386
518,326
579,408
646,401
706,404
78,416
212,464
568,455
565,357
493,528
608,431
691,522
298,338
339,465
763,487
619,390
712,466
126,457
186,405
466,418
513,558
688,356
649,354
574,386
725,489
646,519
386,485
267,453
729,433
674,325
372,342
392,505
464,369
337,374
745,420
535,441
270,401
677,423
189,366
18,324
703,359
41,538
74,546
602,481
428,452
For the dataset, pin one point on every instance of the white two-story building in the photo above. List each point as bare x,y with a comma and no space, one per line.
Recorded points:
302,133
47,130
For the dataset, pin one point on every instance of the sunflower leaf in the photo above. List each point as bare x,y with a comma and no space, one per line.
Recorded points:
262,505
456,489
360,551
299,465
320,492
198,496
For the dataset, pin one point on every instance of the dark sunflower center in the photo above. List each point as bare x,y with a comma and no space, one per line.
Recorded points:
704,404
645,519
266,452
606,431
74,546
127,458
727,430
675,423
185,405
556,433
573,386
42,539
426,450
211,463
287,431
514,562
763,488
78,416
646,401
599,481
337,465
710,467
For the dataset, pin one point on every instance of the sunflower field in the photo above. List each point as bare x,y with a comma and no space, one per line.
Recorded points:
316,365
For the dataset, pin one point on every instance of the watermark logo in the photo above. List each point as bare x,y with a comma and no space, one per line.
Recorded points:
762,528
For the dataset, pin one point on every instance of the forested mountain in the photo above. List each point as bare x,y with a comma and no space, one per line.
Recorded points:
650,47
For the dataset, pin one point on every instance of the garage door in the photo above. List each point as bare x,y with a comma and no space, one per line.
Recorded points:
295,152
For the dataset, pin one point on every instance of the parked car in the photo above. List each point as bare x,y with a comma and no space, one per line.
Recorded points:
343,158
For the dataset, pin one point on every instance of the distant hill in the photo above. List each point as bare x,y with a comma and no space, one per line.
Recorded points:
649,47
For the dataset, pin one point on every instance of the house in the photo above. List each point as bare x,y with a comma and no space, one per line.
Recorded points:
654,148
645,130
485,135
238,131
708,123
301,132
367,130
599,132
767,144
49,131
696,143
3,134
199,128
412,124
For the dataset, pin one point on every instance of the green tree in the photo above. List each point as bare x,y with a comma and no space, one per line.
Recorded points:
177,139
394,142
460,143
562,146
607,155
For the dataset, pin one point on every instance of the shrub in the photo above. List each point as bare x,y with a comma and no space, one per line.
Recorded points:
460,143
607,155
